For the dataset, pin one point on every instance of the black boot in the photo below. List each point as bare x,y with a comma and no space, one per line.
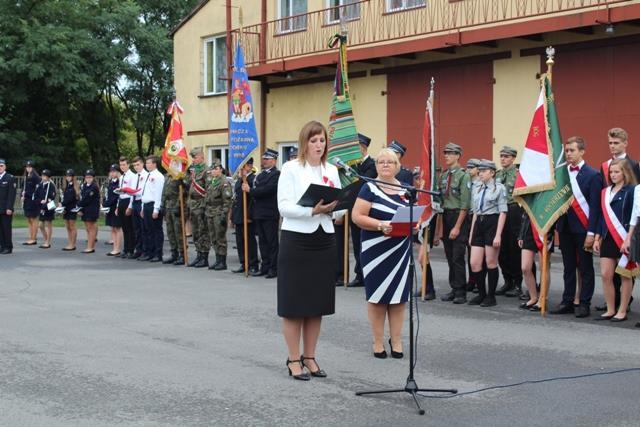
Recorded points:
204,261
517,289
179,260
480,286
196,260
221,264
508,285
490,299
171,259
215,264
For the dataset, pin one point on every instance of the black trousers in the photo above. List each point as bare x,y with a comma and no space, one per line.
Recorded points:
6,241
574,256
127,227
455,250
138,227
153,234
254,263
510,258
267,230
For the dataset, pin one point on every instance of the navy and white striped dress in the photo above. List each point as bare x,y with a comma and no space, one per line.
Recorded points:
384,259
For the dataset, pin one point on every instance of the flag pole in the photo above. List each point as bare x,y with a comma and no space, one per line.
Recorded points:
185,248
345,262
544,274
425,264
245,228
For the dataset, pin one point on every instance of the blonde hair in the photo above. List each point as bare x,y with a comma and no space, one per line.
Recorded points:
627,172
307,132
388,152
618,133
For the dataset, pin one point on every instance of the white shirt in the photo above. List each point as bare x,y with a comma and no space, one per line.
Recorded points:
152,189
635,212
138,183
127,180
294,180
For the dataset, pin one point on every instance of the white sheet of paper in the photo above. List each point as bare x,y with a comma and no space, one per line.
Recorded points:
402,214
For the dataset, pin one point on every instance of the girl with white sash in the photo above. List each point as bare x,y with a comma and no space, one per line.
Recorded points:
617,203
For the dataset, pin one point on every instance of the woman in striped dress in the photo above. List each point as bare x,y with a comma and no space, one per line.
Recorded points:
385,259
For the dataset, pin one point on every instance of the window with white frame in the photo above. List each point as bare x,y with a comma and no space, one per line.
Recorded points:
396,5
284,149
219,154
215,65
292,8
349,9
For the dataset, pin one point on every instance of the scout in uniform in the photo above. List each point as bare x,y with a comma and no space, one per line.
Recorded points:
489,215
237,219
197,192
405,176
90,204
472,170
7,200
266,215
68,203
455,199
510,253
30,207
171,207
45,194
217,205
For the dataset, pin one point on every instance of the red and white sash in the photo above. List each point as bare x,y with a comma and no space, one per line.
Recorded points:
605,171
579,205
539,239
625,267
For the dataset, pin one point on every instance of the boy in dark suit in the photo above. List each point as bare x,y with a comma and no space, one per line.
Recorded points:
7,200
577,228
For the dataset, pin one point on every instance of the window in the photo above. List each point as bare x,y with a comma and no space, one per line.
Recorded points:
292,8
285,151
215,66
220,154
397,5
350,13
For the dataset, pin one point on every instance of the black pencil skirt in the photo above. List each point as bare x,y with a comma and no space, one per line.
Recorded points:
306,274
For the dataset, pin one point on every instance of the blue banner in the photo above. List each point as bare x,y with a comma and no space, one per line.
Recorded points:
243,137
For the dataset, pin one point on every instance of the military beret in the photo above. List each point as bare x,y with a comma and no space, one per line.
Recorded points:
509,151
270,154
195,151
398,148
2,162
486,164
46,172
452,148
28,163
90,172
473,163
364,140
70,172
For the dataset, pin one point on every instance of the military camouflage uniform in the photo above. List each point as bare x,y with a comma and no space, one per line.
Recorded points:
218,203
510,252
197,207
171,206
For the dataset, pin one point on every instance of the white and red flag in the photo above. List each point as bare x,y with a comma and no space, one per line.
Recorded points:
174,156
427,168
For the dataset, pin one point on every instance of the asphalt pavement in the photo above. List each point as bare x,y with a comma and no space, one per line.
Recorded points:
87,340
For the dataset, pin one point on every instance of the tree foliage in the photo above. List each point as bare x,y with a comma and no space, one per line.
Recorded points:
77,77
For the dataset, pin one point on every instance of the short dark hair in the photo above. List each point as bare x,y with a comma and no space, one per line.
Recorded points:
123,159
138,159
578,140
154,159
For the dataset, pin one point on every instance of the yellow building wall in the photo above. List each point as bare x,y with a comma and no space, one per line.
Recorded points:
289,108
515,94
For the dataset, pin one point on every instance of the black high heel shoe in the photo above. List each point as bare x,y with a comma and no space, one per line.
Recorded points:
395,354
303,376
319,373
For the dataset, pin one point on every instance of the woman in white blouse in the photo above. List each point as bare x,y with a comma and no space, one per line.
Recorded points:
307,259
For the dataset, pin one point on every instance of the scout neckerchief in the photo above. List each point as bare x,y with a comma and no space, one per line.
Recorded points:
195,170
625,267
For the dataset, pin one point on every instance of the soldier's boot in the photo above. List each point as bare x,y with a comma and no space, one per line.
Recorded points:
196,260
221,264
180,259
480,286
516,291
204,261
171,259
508,285
492,276
214,265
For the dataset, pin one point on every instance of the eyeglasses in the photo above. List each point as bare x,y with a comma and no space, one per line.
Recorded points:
387,162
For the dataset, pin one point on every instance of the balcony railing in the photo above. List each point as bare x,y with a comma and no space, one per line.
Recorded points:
371,22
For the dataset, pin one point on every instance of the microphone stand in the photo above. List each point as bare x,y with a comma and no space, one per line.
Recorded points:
411,386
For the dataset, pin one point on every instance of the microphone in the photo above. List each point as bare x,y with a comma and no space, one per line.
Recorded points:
338,162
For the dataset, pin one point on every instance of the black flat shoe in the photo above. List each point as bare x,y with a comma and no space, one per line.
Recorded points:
604,317
395,354
319,373
303,376
35,242
88,252
380,355
618,319
69,249
44,246
526,306
535,307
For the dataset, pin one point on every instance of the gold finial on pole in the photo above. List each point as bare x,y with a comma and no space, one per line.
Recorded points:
551,52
